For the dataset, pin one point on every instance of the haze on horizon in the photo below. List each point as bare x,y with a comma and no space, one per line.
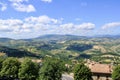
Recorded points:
31,18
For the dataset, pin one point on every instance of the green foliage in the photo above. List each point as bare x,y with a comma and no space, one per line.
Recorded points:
1,61
28,70
11,52
82,72
51,69
79,47
63,47
83,56
116,73
10,68
47,46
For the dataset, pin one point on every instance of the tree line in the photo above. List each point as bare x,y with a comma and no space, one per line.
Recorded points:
13,69
50,69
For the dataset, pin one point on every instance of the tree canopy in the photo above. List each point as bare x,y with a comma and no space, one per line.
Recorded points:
10,68
1,61
51,69
28,70
82,72
116,73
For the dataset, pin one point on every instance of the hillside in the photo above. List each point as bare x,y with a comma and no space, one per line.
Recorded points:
100,48
10,52
55,37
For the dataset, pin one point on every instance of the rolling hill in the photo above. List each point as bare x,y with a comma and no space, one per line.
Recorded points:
102,48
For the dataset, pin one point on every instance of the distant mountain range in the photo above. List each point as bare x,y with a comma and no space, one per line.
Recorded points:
5,39
62,46
107,36
60,37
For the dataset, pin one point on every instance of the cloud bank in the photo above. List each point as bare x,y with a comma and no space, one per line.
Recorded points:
111,25
42,25
19,5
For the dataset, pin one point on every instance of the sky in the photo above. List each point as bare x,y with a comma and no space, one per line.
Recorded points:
22,19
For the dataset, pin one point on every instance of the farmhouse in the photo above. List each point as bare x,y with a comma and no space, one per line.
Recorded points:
100,71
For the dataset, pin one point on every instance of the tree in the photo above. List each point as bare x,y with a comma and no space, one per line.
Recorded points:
51,70
116,73
28,70
1,61
10,67
82,72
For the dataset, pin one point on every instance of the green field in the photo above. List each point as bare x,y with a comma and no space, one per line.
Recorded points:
104,49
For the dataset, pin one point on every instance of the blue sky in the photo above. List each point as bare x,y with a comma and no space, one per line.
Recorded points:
32,18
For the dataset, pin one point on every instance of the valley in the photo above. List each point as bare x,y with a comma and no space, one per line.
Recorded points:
105,49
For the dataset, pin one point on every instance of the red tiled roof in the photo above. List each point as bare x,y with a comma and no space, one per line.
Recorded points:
100,68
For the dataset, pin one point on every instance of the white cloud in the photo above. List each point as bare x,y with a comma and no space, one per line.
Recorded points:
10,25
67,26
3,6
42,19
4,28
111,25
43,25
23,8
48,1
20,6
86,26
83,26
18,1
71,28
28,24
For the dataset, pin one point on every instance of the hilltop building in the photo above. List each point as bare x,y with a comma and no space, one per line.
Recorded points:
100,71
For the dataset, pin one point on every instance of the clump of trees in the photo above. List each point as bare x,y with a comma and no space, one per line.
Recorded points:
28,70
50,69
9,68
82,72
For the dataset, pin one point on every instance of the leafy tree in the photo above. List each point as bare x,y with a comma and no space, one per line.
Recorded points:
82,72
28,70
1,60
51,69
10,67
116,73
